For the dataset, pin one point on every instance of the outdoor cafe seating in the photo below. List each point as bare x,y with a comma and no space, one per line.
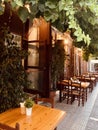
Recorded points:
42,118
72,89
88,78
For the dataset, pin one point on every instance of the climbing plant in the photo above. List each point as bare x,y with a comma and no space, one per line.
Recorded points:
57,63
80,16
13,77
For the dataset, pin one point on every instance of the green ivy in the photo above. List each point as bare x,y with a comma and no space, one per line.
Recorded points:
13,77
75,15
57,63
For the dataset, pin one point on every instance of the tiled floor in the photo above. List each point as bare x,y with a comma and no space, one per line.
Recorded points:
77,118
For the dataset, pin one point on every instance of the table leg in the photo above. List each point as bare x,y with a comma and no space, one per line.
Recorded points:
60,96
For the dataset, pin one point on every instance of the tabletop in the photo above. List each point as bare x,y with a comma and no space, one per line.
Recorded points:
87,78
42,118
83,84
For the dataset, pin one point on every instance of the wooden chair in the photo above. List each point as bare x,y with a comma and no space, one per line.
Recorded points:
50,101
77,92
6,127
87,79
45,100
65,91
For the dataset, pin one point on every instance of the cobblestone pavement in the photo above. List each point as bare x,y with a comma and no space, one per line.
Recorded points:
80,118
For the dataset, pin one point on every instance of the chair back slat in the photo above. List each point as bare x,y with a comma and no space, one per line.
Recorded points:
7,127
46,100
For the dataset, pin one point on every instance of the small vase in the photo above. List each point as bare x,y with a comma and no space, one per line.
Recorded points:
22,107
29,111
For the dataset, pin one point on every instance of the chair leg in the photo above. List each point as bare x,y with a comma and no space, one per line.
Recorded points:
72,98
67,99
60,96
82,99
86,94
78,101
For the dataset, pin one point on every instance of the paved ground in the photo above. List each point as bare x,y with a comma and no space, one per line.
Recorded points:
80,118
92,123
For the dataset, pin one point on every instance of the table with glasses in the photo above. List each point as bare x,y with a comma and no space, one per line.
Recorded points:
42,118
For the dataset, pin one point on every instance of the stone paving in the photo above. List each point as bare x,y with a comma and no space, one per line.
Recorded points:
92,123
80,118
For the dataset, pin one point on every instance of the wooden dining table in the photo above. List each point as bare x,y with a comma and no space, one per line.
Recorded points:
92,80
83,83
84,86
42,118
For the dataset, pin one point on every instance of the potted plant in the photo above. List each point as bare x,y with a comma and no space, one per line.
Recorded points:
29,104
57,64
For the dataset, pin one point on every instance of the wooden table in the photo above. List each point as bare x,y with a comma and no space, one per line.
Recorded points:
92,81
84,86
43,118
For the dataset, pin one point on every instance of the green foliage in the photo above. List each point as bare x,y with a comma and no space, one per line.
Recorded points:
53,11
57,63
2,8
23,13
28,103
13,77
86,54
80,16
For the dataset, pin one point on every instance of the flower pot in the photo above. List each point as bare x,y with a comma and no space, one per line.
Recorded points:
29,111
